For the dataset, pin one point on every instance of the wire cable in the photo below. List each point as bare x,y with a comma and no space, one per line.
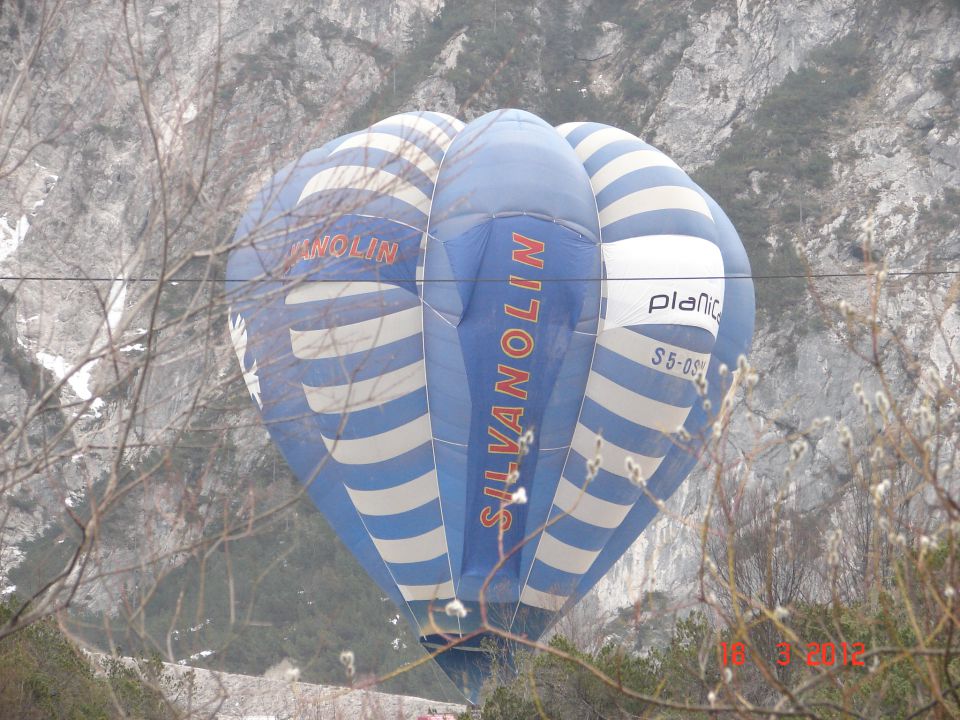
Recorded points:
785,276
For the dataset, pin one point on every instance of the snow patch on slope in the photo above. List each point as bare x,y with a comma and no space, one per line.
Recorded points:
11,236
13,232
77,378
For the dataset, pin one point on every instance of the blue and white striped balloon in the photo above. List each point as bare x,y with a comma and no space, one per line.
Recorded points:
438,320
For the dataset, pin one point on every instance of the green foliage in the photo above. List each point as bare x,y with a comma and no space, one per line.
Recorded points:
32,376
687,668
281,587
296,593
21,503
528,54
278,64
644,27
44,677
404,71
566,689
497,56
943,215
946,79
893,684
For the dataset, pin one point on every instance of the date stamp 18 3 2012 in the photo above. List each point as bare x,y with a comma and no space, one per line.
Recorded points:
825,654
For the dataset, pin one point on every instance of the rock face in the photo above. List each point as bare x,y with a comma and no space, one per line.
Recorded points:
226,696
891,169
146,143
240,697
735,56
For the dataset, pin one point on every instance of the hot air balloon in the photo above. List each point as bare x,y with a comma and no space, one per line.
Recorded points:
437,321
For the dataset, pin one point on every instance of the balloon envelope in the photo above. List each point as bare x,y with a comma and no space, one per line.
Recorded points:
437,321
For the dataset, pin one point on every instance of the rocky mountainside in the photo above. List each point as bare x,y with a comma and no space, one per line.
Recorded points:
131,136
227,696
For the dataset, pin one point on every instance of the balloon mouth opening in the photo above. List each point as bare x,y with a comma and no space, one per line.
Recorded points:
471,664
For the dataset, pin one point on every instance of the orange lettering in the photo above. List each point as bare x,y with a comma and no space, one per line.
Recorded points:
506,446
371,248
532,313
526,254
292,258
499,494
524,283
387,251
488,518
509,343
509,416
338,246
514,378
319,247
500,476
355,247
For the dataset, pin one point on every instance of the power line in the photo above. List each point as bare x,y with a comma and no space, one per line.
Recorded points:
785,276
